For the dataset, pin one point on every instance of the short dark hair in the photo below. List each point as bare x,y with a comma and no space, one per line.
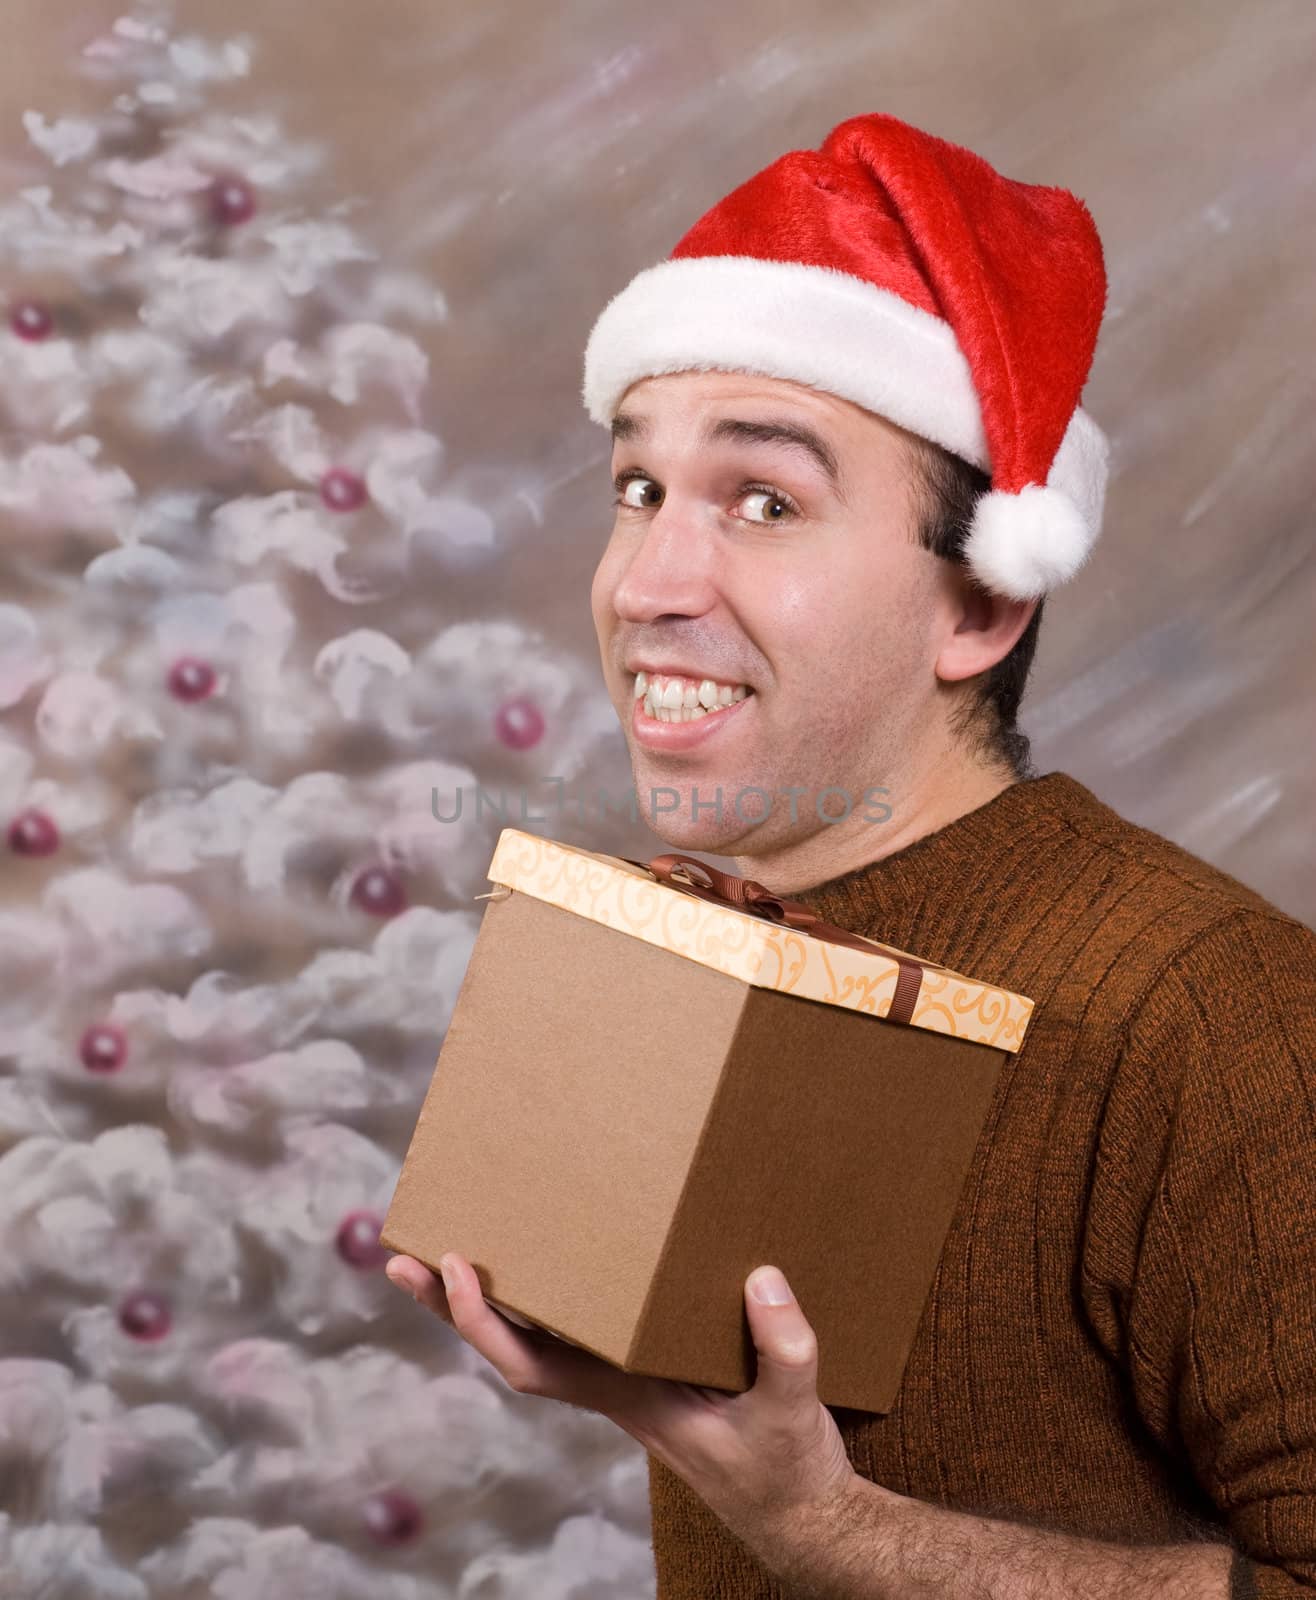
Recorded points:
949,488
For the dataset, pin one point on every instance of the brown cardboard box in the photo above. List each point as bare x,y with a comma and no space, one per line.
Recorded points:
644,1095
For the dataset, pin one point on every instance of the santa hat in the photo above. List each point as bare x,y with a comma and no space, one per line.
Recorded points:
906,274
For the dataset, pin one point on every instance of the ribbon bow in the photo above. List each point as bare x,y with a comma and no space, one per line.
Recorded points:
696,877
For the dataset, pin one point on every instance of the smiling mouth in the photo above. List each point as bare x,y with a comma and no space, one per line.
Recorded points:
671,698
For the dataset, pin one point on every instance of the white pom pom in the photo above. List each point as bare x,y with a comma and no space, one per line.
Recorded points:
1021,545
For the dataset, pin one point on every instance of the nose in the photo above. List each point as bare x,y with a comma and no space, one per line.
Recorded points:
668,572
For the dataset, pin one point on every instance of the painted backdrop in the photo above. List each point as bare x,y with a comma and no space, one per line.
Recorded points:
298,509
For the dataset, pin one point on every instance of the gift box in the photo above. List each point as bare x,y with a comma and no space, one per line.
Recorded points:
659,1077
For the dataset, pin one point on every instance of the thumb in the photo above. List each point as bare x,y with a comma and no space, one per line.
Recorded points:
786,1344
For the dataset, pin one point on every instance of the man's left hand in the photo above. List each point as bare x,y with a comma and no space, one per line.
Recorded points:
763,1461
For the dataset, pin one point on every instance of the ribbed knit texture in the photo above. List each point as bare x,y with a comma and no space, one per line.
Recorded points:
1119,1339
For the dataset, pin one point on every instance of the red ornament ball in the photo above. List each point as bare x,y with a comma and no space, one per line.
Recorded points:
519,724
380,892
191,679
392,1517
232,200
358,1240
145,1315
342,490
33,833
103,1047
30,320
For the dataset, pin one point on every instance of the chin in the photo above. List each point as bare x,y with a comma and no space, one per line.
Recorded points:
706,834
709,833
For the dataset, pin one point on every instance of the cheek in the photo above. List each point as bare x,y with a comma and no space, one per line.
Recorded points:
814,619
842,636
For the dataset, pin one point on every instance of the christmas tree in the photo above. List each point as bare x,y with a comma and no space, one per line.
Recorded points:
233,927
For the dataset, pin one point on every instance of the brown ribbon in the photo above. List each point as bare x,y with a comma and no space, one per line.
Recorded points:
743,894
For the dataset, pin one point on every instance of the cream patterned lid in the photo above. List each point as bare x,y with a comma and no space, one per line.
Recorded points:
768,955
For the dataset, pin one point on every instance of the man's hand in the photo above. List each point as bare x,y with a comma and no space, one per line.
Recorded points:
765,1461
772,1465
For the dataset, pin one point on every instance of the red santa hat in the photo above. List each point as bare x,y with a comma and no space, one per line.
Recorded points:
906,274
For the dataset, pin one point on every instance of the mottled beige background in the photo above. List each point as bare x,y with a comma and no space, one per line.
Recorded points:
533,157
530,159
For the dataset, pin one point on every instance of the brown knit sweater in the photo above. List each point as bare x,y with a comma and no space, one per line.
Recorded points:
1119,1339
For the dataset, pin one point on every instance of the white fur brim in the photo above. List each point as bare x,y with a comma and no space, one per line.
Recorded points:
865,344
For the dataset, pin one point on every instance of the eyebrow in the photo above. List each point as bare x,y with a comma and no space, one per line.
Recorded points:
795,435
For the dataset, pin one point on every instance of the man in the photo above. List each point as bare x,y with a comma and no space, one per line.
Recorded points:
850,461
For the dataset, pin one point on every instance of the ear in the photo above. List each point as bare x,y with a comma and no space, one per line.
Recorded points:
982,627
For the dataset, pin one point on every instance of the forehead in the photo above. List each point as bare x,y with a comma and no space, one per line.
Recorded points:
687,402
694,409
672,394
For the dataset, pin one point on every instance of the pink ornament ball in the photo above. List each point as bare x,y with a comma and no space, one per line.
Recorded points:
191,679
519,724
103,1047
232,200
145,1315
392,1517
358,1240
33,833
31,320
342,490
380,892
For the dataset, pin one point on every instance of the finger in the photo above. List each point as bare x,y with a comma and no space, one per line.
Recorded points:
427,1290
465,1309
420,1283
785,1342
529,1361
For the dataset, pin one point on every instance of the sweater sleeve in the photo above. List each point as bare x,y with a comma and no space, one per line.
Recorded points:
1200,1265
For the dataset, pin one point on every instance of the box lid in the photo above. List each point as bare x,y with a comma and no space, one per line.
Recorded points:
626,896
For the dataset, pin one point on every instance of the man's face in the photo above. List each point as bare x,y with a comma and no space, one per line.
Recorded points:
791,603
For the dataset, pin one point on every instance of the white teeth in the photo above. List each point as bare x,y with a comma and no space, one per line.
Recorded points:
681,699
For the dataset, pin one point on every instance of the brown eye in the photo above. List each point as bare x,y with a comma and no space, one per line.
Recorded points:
647,494
773,507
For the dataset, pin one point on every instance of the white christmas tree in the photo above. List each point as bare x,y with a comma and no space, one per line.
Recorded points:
233,929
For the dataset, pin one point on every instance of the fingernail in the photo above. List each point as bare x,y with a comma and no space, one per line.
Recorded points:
445,1271
769,1287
